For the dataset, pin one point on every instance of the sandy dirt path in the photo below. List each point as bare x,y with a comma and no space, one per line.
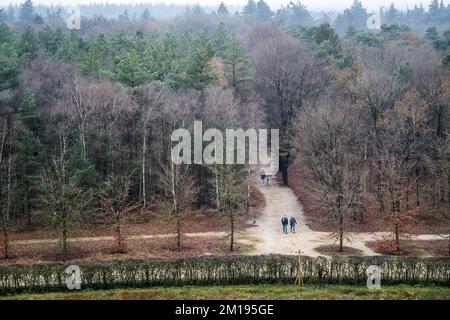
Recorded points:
135,237
269,239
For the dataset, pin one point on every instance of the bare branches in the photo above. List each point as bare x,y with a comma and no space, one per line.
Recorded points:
329,146
178,193
115,202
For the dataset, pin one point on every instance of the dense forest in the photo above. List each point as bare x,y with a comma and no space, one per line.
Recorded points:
86,115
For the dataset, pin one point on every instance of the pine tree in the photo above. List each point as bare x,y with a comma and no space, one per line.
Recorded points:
49,40
392,15
82,170
11,13
434,8
237,64
145,15
124,16
69,47
221,40
431,34
222,9
295,14
29,169
9,67
355,16
6,36
28,111
249,8
197,9
132,71
28,44
194,71
89,60
263,12
3,15
199,72
26,13
446,63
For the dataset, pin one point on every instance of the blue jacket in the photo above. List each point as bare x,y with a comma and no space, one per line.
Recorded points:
293,221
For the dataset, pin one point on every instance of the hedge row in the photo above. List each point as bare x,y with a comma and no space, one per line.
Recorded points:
224,271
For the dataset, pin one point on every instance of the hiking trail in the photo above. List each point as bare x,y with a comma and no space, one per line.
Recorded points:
268,238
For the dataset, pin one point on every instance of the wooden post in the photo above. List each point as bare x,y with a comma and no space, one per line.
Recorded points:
299,278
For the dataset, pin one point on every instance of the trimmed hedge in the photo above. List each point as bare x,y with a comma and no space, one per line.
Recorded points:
228,270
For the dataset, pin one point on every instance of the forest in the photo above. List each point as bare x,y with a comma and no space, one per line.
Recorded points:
86,115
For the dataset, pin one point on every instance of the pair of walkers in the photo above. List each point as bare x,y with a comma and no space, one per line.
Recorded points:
265,178
292,222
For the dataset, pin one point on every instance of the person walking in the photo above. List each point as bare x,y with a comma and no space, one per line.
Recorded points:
263,178
293,224
284,223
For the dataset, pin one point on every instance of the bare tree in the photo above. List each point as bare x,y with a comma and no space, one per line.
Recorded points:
438,186
178,193
286,77
233,193
394,180
151,103
328,144
5,201
112,105
63,200
115,202
222,111
80,92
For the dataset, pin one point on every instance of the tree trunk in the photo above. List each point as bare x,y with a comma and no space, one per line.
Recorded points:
395,210
448,186
233,68
285,175
449,244
27,207
64,240
380,194
119,234
217,191
179,233
397,238
232,231
341,231
2,145
83,145
5,238
144,151
4,224
341,225
417,188
8,196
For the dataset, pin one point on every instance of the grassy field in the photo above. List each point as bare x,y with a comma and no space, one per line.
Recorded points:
276,292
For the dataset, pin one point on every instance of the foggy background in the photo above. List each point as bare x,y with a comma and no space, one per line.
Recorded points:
325,5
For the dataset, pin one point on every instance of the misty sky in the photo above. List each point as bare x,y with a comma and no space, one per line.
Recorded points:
275,4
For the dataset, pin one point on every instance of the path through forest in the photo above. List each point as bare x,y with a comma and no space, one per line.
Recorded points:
269,239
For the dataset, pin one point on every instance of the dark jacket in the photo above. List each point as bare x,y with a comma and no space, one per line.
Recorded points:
293,221
284,220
